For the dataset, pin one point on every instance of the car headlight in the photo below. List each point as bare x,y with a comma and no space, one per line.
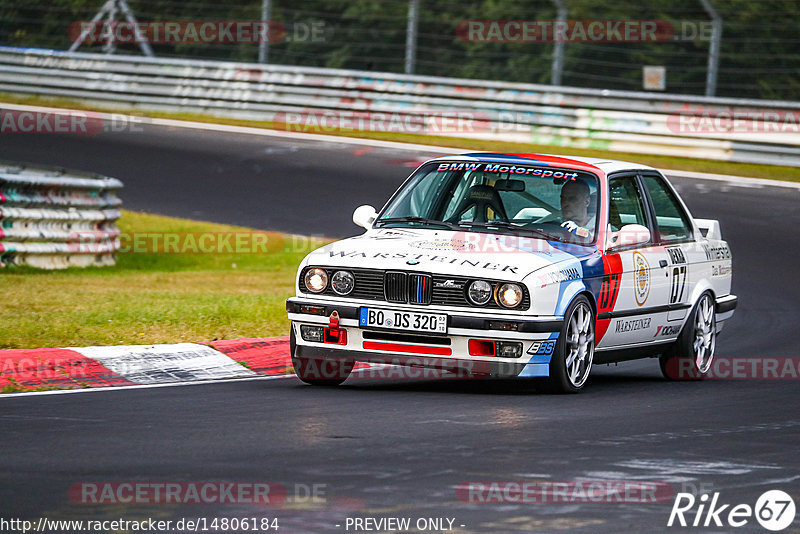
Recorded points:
343,282
509,295
316,280
479,292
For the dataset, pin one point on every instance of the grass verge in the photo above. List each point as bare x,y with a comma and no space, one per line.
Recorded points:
155,297
773,172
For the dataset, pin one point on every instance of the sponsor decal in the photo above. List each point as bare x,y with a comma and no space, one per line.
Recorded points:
417,258
641,278
632,325
542,348
666,331
678,284
510,169
721,270
676,255
444,245
449,284
392,234
609,291
564,275
717,253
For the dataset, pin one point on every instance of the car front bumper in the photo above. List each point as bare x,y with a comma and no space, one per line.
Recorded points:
449,352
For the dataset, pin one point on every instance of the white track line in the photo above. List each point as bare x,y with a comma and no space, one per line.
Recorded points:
137,386
246,130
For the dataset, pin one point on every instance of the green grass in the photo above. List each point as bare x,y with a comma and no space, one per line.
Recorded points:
774,172
154,298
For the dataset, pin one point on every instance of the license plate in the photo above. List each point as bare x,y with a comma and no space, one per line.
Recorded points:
403,320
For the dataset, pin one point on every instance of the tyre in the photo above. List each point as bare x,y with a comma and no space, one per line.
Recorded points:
690,357
319,372
574,352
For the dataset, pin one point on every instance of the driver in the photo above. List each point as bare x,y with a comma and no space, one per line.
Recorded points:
575,200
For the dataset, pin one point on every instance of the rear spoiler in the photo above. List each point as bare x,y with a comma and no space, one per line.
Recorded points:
710,228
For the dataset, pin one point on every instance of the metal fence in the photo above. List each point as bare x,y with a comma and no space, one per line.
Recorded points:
53,218
313,99
737,48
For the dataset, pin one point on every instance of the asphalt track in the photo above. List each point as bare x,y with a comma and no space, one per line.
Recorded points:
390,447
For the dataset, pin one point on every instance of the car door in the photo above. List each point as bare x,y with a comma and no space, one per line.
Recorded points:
674,232
639,305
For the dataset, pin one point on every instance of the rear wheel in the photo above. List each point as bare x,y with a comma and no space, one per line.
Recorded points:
572,359
691,356
319,372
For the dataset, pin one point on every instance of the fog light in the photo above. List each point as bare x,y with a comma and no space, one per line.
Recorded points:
509,349
311,333
481,347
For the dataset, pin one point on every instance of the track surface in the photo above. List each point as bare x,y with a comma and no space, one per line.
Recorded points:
399,447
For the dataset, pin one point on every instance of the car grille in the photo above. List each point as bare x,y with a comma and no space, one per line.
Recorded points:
414,288
395,287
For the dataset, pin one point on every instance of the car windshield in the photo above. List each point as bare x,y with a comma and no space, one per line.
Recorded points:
558,204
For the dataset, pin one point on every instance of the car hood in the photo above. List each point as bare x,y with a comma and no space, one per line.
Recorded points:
470,254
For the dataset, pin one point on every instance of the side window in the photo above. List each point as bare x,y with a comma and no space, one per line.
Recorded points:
625,202
671,219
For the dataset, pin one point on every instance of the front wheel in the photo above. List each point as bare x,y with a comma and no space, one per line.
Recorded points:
318,372
572,359
691,356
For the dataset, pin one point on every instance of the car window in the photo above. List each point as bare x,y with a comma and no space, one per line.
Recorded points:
672,221
553,203
626,205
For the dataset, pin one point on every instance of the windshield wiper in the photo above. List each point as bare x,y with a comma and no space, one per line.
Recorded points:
413,219
506,225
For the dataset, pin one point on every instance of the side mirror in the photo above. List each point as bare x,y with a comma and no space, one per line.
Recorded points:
628,235
364,216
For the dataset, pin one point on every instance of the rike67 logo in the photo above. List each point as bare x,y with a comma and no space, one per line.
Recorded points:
774,510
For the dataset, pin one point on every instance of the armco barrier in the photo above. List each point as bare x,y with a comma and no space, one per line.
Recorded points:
763,131
53,218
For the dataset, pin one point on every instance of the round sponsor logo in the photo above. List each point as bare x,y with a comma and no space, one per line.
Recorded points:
641,278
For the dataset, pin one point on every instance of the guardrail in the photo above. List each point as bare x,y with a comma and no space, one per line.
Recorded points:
755,131
52,218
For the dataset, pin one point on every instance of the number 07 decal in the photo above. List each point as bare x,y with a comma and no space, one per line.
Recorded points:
678,284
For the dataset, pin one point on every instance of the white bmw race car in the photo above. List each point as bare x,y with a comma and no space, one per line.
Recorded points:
517,265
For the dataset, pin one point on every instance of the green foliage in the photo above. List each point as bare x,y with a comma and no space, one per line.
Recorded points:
759,57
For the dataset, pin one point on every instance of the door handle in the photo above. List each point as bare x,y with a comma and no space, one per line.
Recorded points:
662,263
